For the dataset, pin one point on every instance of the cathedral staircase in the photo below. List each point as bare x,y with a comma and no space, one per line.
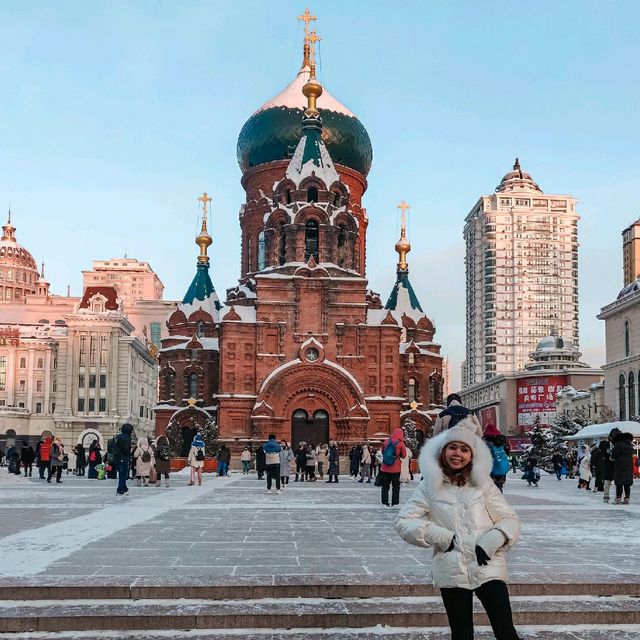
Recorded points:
309,607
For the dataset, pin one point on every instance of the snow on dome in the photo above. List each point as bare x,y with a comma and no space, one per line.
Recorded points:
293,98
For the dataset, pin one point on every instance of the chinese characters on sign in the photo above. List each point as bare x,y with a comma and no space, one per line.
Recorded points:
537,397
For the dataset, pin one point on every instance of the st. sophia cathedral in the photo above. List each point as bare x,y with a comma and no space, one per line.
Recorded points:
301,347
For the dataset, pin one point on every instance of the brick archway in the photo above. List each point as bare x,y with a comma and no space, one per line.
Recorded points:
312,386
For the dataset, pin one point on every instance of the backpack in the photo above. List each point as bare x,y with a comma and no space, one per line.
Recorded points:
200,455
146,456
112,446
500,461
456,414
389,455
163,452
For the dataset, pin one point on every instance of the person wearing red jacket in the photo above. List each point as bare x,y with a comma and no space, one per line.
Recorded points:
44,456
390,471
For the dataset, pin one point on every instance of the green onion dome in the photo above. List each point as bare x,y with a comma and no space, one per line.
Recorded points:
273,131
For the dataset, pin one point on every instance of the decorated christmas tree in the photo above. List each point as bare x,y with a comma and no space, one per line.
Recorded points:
541,443
411,435
210,436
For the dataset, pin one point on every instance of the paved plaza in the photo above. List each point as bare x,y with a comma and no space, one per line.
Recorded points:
231,528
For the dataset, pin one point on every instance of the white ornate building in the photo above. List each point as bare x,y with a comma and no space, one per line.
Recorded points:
73,366
521,275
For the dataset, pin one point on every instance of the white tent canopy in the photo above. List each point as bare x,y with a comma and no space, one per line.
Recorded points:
599,431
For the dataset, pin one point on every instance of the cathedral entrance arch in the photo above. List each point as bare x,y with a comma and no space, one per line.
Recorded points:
311,429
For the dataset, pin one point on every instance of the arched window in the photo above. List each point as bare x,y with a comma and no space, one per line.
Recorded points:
287,196
311,240
411,392
193,385
282,245
249,253
342,242
632,395
169,385
622,397
627,338
262,251
312,194
200,326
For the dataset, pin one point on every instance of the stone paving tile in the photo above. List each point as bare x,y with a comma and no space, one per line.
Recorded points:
234,528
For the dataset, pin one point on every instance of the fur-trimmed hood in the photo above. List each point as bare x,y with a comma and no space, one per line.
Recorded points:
464,431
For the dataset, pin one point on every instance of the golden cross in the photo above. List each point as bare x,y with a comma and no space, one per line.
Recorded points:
191,401
306,17
414,405
204,198
403,206
312,38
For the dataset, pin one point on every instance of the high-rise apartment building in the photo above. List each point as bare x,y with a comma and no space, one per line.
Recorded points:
631,252
134,280
521,274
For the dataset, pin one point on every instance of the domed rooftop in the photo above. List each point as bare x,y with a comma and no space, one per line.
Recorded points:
629,289
273,131
517,180
13,254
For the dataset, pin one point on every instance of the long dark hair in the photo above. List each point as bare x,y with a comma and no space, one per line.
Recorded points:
459,477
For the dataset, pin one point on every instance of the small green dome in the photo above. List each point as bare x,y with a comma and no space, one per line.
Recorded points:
273,132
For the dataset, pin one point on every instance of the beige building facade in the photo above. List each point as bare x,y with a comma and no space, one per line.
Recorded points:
622,338
587,403
133,279
631,252
521,275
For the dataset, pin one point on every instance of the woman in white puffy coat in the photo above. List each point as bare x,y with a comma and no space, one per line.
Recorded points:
459,512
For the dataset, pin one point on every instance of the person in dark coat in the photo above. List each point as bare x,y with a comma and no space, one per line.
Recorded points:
95,458
596,469
622,455
27,456
122,457
530,472
13,460
334,462
607,468
81,459
557,461
224,460
355,455
261,462
301,461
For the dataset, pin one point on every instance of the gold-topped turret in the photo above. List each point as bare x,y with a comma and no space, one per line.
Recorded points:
402,246
203,239
312,89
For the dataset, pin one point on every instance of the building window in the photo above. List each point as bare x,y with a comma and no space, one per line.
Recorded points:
39,385
81,380
3,373
53,407
81,404
311,240
632,395
627,338
102,405
38,407
282,245
411,392
622,399
92,381
40,363
262,251
22,385
312,194
103,381
156,333
54,385
200,328
92,350
193,385
92,405
141,411
23,363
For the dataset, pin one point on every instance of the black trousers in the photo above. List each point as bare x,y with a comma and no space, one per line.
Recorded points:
623,487
494,598
392,479
54,471
273,473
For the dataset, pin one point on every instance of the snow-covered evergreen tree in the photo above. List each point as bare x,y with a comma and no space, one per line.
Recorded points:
563,425
210,436
541,447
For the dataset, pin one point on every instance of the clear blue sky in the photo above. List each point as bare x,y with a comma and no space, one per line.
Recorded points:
115,116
